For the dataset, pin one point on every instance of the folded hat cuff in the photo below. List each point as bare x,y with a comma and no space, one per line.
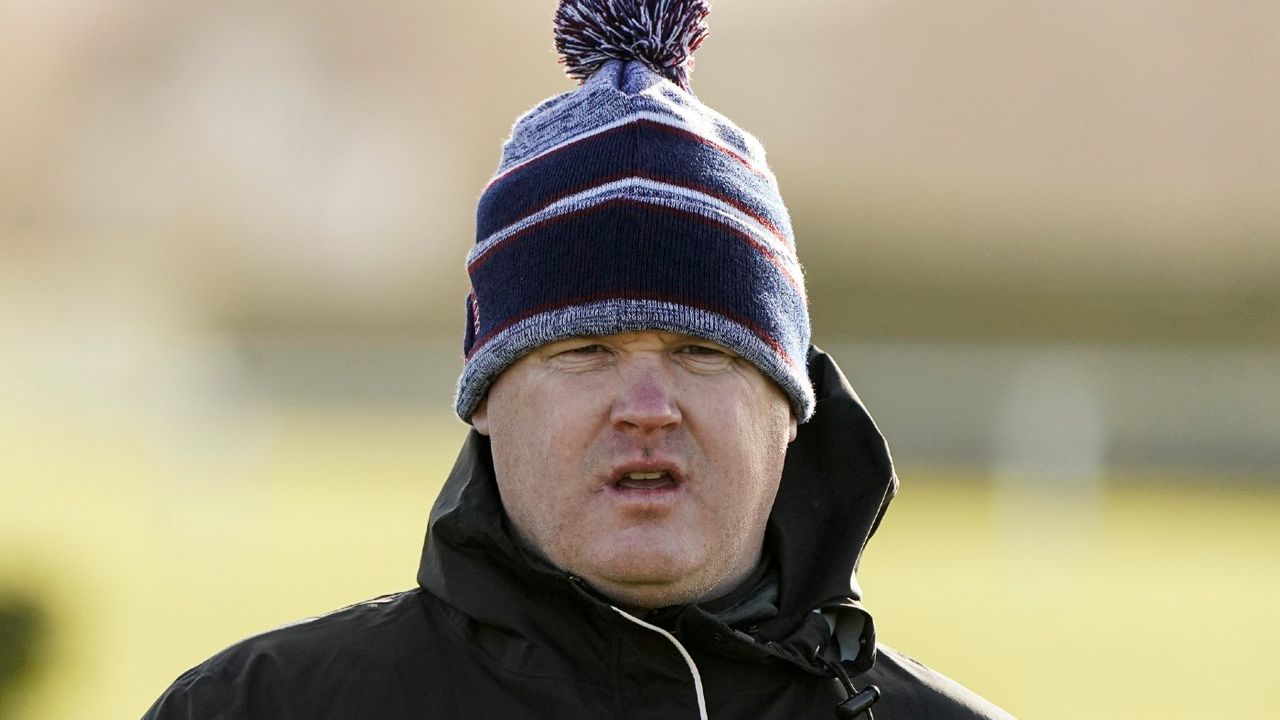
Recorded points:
784,365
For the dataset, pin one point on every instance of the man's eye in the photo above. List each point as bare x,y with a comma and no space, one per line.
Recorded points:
702,350
587,350
705,357
582,357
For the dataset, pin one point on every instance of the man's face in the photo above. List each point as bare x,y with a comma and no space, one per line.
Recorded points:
645,463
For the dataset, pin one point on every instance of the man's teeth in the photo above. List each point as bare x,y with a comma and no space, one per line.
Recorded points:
645,480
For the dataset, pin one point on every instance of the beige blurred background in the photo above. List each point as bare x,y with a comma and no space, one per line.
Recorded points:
1042,238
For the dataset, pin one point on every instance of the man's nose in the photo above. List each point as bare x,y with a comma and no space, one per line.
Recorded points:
647,405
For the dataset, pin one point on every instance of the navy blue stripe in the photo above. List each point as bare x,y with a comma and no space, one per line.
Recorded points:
622,250
645,149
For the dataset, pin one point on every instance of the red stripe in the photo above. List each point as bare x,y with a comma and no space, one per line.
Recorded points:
745,237
709,143
480,261
680,183
733,202
603,297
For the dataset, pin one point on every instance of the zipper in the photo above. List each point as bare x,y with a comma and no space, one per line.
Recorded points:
688,659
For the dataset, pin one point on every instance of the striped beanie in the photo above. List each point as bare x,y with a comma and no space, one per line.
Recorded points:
628,205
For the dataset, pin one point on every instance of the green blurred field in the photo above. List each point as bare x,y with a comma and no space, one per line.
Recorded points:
1157,600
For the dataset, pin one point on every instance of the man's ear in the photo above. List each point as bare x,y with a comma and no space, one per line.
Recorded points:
480,418
795,426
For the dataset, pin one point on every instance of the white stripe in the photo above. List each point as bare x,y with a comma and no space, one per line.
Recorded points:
629,119
719,210
697,678
579,200
573,202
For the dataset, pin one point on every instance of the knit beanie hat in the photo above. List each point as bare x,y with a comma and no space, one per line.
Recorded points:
628,205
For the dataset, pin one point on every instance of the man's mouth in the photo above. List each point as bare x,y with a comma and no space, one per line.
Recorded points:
659,480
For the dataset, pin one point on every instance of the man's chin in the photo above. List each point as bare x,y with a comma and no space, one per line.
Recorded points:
639,599
646,583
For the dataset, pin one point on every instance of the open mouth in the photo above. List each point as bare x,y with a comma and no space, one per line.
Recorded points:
658,480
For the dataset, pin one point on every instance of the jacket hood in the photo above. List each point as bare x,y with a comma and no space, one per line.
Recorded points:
837,484
837,481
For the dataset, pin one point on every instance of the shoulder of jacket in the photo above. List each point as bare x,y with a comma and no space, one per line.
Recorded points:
362,627
272,662
911,689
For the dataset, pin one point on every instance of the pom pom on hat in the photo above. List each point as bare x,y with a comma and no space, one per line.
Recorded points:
662,34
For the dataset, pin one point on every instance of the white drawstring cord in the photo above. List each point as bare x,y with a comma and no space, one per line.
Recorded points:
697,678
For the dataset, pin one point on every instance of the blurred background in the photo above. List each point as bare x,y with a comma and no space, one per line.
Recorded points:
1043,239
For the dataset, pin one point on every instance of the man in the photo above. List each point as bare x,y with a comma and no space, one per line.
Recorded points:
666,491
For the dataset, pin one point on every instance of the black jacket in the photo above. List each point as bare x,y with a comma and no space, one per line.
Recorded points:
495,633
